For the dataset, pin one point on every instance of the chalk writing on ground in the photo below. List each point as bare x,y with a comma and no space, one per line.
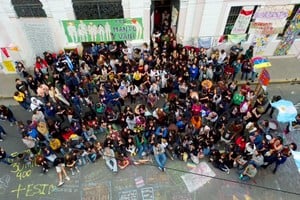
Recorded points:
99,191
181,195
139,181
158,178
123,184
4,181
32,190
147,193
128,195
194,181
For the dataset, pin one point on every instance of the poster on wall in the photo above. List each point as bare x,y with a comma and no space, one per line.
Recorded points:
276,15
8,66
39,35
241,24
205,42
237,38
289,36
265,28
103,30
260,42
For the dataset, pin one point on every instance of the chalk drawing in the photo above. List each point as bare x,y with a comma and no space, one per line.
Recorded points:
99,191
139,181
157,178
31,190
194,181
128,195
4,181
147,193
181,195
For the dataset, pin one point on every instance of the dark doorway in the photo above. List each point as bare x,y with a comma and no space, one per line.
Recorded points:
162,13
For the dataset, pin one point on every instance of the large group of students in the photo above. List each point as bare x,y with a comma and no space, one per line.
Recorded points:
129,105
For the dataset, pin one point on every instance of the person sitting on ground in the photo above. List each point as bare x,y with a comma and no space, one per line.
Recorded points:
59,164
110,160
249,172
160,156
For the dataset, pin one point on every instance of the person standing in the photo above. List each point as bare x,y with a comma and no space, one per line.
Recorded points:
160,156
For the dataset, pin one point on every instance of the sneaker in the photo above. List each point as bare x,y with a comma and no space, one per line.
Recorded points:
241,176
68,178
78,171
163,169
73,173
160,168
1,139
60,184
228,172
11,124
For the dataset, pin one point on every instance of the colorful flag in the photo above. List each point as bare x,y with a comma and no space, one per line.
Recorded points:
242,22
69,62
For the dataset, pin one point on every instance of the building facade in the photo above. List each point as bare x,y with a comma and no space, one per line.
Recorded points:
30,27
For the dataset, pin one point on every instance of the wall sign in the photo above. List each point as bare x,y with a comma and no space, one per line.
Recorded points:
103,30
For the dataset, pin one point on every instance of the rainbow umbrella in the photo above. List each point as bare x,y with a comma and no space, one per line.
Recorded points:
286,111
260,62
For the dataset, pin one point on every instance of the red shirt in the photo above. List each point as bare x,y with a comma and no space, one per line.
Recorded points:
241,143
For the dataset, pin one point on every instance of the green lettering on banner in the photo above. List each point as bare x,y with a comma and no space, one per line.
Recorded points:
103,30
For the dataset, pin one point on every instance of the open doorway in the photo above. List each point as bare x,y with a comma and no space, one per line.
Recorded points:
164,15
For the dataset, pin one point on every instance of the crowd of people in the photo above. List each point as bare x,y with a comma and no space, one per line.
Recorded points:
127,105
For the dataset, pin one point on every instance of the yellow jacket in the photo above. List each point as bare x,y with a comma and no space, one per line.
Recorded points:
20,97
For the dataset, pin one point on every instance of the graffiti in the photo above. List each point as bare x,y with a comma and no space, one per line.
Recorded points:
31,190
22,170
97,191
194,180
4,180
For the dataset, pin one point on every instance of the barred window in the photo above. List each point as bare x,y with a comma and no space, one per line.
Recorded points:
288,22
233,15
28,8
97,9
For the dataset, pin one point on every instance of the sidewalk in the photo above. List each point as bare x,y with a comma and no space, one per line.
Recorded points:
283,70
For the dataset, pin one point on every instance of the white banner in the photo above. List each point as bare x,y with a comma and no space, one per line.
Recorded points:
242,22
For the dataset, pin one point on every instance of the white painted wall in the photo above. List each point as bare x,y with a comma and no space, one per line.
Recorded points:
197,18
214,18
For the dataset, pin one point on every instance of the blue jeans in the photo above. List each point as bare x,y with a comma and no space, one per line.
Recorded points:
2,131
25,105
5,160
161,159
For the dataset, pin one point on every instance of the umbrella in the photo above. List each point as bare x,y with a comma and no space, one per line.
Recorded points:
286,110
260,62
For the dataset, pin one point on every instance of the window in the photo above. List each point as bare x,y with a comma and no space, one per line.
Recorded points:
289,19
97,9
233,15
28,8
